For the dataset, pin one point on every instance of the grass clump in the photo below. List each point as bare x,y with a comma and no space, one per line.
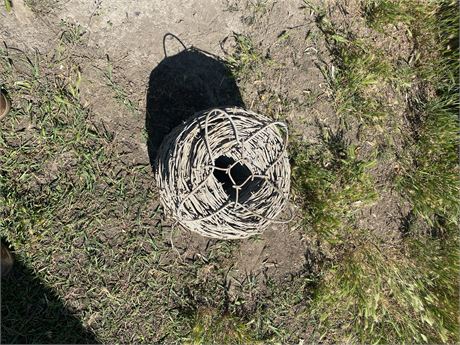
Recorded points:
430,177
8,5
358,74
332,183
246,58
358,83
379,13
403,291
389,294
212,327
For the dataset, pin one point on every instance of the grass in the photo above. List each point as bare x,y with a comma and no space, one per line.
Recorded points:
8,5
433,187
246,58
50,157
380,13
407,291
87,225
332,184
212,327
120,94
59,130
430,179
62,188
382,294
360,74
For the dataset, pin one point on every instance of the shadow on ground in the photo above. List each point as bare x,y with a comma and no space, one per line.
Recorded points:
34,314
181,85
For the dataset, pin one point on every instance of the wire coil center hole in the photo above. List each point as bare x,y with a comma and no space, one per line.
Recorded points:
238,172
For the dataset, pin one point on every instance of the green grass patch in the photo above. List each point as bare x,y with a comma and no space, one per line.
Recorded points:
379,13
407,291
358,80
62,186
245,59
430,178
359,74
47,130
210,326
431,172
390,294
332,184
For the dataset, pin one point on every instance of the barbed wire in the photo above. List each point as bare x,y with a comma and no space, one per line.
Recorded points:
225,173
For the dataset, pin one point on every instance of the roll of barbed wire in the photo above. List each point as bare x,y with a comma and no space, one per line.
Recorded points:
225,173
